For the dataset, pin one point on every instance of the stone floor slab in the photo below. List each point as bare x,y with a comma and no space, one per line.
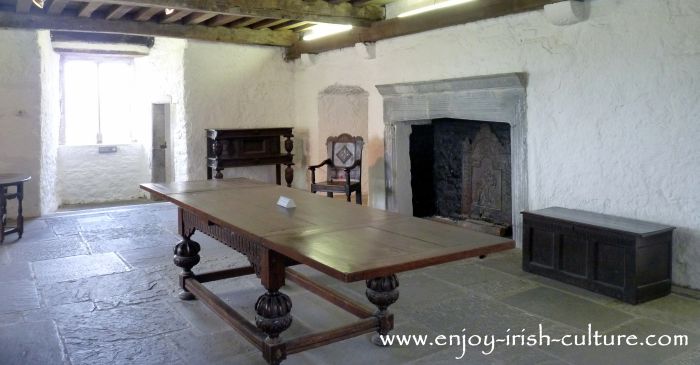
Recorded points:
127,287
18,296
34,343
15,270
76,267
27,250
568,309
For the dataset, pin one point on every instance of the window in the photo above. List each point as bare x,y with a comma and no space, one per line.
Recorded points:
98,100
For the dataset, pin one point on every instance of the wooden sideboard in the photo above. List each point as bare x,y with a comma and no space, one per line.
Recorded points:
250,147
623,258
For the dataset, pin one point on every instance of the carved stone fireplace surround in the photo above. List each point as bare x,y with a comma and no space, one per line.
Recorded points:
495,98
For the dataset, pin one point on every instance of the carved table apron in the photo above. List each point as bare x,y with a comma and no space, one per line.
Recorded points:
345,241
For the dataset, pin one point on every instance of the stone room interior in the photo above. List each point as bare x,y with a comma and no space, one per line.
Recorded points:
349,182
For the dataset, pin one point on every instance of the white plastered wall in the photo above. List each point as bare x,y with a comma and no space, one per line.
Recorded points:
20,113
612,105
232,86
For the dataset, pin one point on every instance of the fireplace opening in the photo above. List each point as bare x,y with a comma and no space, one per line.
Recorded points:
461,173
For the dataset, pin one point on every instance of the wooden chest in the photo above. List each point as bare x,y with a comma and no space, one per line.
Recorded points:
623,258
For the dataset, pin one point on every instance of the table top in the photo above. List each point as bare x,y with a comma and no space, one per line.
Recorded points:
344,240
12,179
627,225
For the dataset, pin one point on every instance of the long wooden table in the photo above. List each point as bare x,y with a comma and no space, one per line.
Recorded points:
345,241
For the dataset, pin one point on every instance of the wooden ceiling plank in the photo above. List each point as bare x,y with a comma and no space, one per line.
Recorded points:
283,38
243,22
175,16
146,14
309,10
267,23
119,12
291,24
455,15
23,6
198,18
57,6
223,20
89,8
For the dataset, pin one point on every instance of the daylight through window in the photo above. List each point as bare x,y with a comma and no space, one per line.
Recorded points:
98,101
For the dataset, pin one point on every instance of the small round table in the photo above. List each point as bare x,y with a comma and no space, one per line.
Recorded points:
7,181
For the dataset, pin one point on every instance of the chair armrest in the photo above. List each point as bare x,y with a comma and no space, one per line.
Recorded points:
325,162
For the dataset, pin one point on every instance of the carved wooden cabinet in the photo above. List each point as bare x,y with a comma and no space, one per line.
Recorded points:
250,147
623,258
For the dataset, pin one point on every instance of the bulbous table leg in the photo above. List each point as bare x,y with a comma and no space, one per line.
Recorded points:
186,257
383,292
273,316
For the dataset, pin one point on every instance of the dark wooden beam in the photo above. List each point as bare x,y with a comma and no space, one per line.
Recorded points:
119,12
455,15
23,6
57,6
146,14
243,22
309,10
198,18
89,8
223,19
175,16
288,25
283,38
267,23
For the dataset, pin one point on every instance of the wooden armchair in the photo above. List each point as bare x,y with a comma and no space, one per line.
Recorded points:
344,171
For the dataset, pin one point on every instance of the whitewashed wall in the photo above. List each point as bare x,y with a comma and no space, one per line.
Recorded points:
613,105
232,86
161,76
20,112
86,176
50,122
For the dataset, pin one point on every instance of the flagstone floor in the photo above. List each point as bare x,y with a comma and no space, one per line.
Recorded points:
99,287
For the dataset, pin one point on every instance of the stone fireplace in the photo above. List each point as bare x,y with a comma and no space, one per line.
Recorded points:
488,106
460,171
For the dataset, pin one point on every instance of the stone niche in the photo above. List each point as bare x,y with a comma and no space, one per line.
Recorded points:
497,101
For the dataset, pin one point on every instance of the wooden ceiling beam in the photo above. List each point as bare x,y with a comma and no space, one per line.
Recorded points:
309,10
267,23
89,8
243,22
455,15
57,6
283,38
198,18
175,16
223,20
23,6
146,14
119,12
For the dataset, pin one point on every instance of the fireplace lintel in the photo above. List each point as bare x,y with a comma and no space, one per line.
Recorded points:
493,98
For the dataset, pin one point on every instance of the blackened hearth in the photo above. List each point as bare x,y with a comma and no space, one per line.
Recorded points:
461,170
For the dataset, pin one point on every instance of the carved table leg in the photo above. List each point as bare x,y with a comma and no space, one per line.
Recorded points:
3,213
186,257
273,309
383,292
20,216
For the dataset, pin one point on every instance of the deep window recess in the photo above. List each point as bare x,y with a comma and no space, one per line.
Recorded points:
98,100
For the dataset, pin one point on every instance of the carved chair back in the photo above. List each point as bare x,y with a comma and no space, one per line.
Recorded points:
343,151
